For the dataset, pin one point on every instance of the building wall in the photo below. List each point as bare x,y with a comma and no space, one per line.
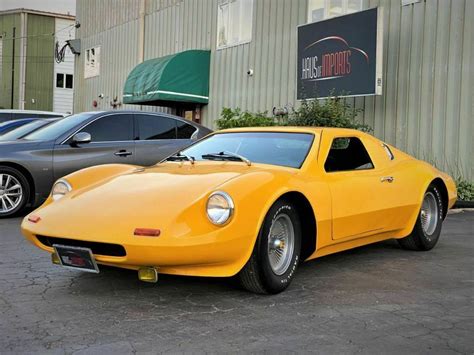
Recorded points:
426,107
63,97
7,22
39,63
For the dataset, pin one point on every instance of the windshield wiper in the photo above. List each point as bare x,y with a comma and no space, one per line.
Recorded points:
180,156
227,156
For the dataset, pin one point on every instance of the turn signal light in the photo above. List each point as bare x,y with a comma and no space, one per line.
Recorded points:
147,232
34,219
148,274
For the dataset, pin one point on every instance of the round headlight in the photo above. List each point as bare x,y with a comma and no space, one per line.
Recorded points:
60,188
220,208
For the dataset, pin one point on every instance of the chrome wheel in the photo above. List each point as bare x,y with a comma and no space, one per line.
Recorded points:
11,193
281,244
429,213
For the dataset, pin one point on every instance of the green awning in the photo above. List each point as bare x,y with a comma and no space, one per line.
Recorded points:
182,77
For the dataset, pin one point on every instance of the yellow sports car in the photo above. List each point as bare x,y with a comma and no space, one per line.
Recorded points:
250,202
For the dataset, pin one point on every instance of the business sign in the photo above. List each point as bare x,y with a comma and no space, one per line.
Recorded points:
341,56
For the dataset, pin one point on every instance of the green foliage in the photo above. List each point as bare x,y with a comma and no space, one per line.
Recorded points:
465,189
237,118
332,112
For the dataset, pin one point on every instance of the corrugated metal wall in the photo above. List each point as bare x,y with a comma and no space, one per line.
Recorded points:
39,63
7,22
427,105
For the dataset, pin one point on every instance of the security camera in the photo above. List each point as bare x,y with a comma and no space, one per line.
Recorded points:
250,72
101,96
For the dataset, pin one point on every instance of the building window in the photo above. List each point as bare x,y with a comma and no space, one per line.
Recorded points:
64,81
92,62
322,9
69,81
234,22
59,80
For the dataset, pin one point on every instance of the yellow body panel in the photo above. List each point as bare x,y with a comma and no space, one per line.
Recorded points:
351,208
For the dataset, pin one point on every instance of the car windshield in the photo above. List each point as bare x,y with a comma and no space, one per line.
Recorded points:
56,129
274,148
24,130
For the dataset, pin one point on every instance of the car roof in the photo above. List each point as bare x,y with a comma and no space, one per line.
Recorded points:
291,129
34,112
145,112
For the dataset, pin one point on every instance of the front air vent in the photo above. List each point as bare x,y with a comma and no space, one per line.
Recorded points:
97,248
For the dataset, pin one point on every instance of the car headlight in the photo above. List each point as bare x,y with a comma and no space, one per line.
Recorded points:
60,189
220,208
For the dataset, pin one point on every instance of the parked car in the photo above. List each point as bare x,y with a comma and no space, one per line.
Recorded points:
29,166
7,115
26,129
248,202
8,126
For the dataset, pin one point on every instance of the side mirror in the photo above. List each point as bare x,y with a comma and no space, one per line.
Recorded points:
81,138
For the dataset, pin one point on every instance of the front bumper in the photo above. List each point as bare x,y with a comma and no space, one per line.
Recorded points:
220,253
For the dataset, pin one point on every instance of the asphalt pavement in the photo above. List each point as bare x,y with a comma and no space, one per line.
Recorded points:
376,299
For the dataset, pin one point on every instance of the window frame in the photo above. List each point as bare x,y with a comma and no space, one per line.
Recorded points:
240,42
327,8
349,170
63,79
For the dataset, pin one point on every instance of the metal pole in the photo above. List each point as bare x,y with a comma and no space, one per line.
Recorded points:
13,68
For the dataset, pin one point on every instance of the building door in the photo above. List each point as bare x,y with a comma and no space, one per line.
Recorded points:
191,112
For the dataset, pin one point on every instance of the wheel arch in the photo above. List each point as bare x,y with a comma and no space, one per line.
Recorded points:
307,219
25,173
439,183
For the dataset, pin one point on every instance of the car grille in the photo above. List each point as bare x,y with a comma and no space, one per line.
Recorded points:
105,249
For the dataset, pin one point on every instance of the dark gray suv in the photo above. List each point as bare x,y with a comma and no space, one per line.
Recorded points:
30,166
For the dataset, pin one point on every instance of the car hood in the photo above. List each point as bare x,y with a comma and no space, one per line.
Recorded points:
158,197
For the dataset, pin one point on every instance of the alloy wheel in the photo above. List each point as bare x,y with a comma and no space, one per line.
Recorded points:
11,193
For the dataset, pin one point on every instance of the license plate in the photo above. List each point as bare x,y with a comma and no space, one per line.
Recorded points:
76,258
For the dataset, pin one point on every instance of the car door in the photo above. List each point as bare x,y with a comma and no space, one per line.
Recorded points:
355,186
111,143
157,137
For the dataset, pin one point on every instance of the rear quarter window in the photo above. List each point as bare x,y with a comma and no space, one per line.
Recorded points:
185,131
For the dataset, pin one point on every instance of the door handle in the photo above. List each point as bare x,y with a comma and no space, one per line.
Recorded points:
123,153
387,179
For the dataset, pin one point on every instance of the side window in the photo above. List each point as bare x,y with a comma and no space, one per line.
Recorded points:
346,154
111,128
185,131
152,127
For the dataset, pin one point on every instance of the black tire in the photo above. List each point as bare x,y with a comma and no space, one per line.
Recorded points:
258,275
25,191
421,239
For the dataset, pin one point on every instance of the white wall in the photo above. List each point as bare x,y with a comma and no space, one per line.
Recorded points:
62,97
